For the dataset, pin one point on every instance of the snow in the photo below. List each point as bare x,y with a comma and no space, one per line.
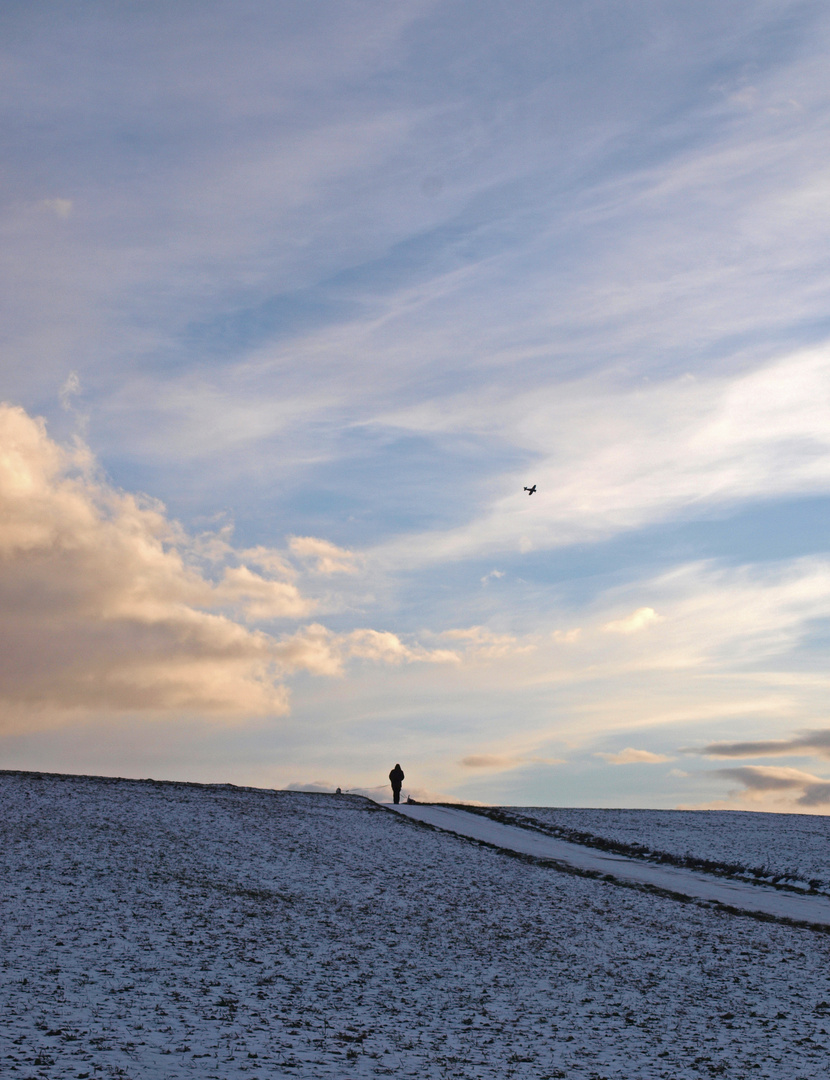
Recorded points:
791,847
158,930
745,896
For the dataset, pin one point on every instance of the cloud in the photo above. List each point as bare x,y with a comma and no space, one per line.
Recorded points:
59,207
638,620
489,761
105,604
505,761
326,557
483,644
615,458
101,608
265,558
319,650
493,574
630,756
70,388
815,795
811,742
382,645
764,779
260,598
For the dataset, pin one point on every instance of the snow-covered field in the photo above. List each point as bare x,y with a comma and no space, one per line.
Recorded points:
794,848
172,930
761,898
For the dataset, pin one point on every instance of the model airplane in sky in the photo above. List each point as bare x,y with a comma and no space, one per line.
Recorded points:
531,491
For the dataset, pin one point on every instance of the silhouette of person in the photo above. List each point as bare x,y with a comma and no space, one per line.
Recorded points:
396,778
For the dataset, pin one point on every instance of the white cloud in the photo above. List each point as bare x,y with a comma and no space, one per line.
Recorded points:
70,388
59,207
638,620
260,598
630,756
323,652
326,557
613,458
479,643
382,645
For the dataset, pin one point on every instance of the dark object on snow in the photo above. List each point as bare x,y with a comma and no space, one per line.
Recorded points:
396,778
531,490
411,801
338,792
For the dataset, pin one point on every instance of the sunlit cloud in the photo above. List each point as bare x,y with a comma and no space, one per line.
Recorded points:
630,756
501,762
319,650
480,643
760,780
325,557
106,606
101,608
638,620
490,761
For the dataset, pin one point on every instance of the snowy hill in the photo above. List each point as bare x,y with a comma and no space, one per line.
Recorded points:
160,930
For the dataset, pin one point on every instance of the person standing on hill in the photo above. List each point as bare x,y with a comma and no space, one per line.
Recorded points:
396,778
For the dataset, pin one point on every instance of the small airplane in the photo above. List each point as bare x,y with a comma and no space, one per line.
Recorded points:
531,490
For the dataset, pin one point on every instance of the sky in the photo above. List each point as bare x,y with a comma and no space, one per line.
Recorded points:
298,299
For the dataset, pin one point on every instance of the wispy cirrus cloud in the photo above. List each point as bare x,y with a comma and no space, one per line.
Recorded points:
611,458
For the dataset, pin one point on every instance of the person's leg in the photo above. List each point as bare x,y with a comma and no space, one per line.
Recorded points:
396,794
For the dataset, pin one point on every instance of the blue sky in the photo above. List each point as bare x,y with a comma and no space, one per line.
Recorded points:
306,294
